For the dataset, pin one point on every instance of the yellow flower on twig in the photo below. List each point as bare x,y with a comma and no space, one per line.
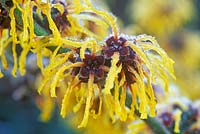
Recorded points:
120,69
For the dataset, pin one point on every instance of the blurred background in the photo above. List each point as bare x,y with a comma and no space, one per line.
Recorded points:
174,23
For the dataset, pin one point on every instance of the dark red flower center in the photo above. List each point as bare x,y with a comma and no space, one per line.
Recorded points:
127,57
92,64
115,45
167,119
60,20
4,18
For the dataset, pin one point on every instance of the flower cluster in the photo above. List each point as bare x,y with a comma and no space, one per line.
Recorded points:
83,65
180,116
176,113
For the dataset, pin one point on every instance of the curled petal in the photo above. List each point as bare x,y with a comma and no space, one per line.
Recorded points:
4,42
88,101
112,74
141,93
143,57
66,101
58,76
177,121
100,103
